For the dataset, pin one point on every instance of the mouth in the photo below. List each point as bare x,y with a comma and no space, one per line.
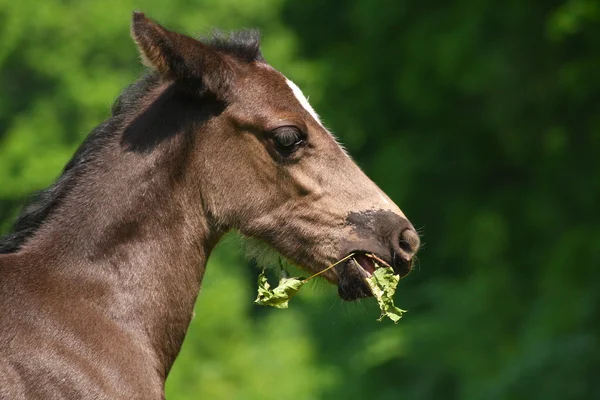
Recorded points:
364,264
354,272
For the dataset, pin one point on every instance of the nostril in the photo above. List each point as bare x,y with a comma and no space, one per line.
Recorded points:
409,241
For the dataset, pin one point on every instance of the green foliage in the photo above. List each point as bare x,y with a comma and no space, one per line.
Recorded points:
383,285
479,118
279,296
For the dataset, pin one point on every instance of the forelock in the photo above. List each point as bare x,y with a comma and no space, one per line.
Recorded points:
243,45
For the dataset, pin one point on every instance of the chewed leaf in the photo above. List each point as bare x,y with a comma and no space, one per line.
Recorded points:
281,295
383,284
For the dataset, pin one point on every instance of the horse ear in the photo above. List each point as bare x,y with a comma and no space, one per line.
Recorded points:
175,55
153,42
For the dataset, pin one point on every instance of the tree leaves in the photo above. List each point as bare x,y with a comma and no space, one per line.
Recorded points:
281,295
383,284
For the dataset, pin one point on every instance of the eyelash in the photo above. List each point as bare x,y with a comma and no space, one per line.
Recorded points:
288,139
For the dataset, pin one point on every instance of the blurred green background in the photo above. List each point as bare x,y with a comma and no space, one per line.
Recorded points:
480,118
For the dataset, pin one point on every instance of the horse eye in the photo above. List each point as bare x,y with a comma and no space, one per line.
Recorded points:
287,139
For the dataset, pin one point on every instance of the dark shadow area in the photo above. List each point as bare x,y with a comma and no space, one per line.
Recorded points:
182,106
481,121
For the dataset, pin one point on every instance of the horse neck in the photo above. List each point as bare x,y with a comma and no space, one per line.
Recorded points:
131,241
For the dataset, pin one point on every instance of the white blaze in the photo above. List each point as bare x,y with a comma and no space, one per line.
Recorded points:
385,200
303,101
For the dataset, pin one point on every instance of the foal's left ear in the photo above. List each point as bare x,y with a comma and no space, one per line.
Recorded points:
179,56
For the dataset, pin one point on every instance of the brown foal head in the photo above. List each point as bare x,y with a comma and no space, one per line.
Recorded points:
262,162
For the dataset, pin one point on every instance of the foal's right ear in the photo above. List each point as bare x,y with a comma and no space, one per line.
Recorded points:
179,56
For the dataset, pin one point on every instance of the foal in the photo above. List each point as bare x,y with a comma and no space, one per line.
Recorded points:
99,277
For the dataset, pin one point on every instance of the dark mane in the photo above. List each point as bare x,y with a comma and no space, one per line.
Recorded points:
41,204
243,45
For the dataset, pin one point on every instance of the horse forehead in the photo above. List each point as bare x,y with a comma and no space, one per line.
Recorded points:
299,99
303,100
